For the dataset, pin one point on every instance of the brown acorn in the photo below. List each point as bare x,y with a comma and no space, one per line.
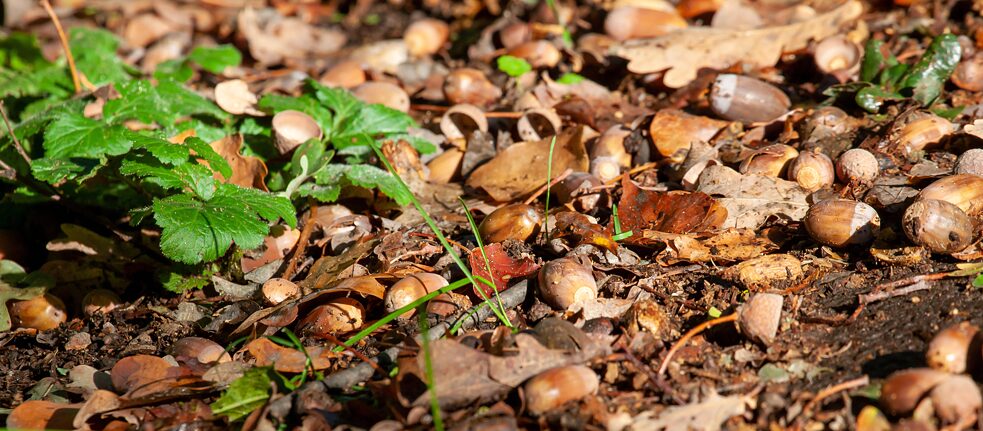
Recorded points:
470,86
770,160
42,313
963,190
842,223
409,289
629,22
426,36
383,93
954,349
746,99
100,301
515,221
812,171
564,282
938,225
553,388
338,316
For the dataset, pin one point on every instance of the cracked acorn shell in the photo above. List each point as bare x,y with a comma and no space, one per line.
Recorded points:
467,85
760,317
954,349
921,131
515,221
963,190
842,222
553,388
411,288
565,281
812,171
338,316
938,225
769,161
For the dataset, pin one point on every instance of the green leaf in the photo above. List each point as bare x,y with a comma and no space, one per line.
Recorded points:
570,78
873,60
190,176
978,282
375,120
194,230
371,177
73,135
207,153
163,104
21,51
159,147
50,80
513,66
182,279
215,59
54,171
871,98
95,55
173,70
275,103
245,394
891,76
341,102
928,77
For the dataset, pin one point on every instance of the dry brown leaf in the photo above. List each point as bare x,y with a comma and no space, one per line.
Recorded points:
681,54
730,245
521,168
141,375
287,360
751,199
762,272
234,97
247,171
274,38
39,415
672,212
100,401
707,415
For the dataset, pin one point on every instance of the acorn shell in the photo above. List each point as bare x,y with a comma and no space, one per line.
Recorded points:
564,282
553,388
842,223
938,225
954,349
746,99
963,190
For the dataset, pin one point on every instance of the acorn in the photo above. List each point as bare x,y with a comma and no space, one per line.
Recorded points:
576,189
461,120
957,400
694,8
447,304
537,124
970,162
553,388
202,350
837,53
824,123
564,282
938,225
745,99
409,289
383,93
338,316
812,170
292,128
100,301
760,316
629,22
969,74
426,36
857,165
346,74
922,130
514,34
963,190
515,221
605,168
42,313
611,143
446,167
902,391
468,85
770,160
278,290
842,223
539,53
954,349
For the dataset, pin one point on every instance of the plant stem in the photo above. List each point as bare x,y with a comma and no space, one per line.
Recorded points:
549,177
690,334
305,235
64,44
481,247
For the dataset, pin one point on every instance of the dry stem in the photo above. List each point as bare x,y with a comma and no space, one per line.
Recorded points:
64,44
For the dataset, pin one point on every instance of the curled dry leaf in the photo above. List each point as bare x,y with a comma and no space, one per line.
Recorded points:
751,199
504,267
730,245
671,212
521,168
247,171
288,360
234,97
100,401
684,52
765,271
141,375
273,38
39,415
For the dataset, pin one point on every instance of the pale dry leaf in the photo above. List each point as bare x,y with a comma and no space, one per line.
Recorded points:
975,129
247,171
234,97
274,38
681,54
707,415
729,245
751,199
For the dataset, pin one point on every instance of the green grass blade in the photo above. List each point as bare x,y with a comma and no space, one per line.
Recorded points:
438,422
481,246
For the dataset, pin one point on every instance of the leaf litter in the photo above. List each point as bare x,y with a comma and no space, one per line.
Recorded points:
203,261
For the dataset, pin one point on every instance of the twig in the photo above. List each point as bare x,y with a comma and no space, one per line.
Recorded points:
833,390
305,235
633,171
359,373
690,334
645,369
64,44
13,136
438,108
361,356
432,236
543,188
879,296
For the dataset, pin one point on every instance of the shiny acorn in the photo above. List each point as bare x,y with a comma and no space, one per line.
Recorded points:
954,349
338,316
969,74
446,167
842,223
920,131
963,190
812,171
553,388
938,225
514,221
629,22
857,165
346,74
42,313
769,161
409,289
470,86
745,99
611,143
426,36
565,281
292,128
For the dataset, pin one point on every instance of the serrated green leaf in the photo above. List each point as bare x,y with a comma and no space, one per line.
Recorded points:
215,58
55,171
371,177
73,135
163,104
928,77
162,149
340,101
182,279
275,103
207,153
189,176
513,66
244,395
95,55
50,80
21,51
194,230
373,120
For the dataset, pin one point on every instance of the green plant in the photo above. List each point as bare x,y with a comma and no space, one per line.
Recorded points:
618,234
293,342
513,66
488,267
884,79
549,182
245,394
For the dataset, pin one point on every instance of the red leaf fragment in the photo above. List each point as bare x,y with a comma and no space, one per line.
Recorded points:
504,267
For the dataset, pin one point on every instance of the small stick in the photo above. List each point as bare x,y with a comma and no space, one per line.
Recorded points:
438,108
833,390
690,334
64,44
879,296
361,356
542,189
633,171
13,136
452,242
305,235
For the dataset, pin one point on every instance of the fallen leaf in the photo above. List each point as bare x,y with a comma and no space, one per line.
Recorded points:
578,228
521,168
273,38
234,97
287,360
729,245
504,267
141,375
751,199
99,402
247,171
672,212
682,53
326,269
766,271
39,415
707,415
